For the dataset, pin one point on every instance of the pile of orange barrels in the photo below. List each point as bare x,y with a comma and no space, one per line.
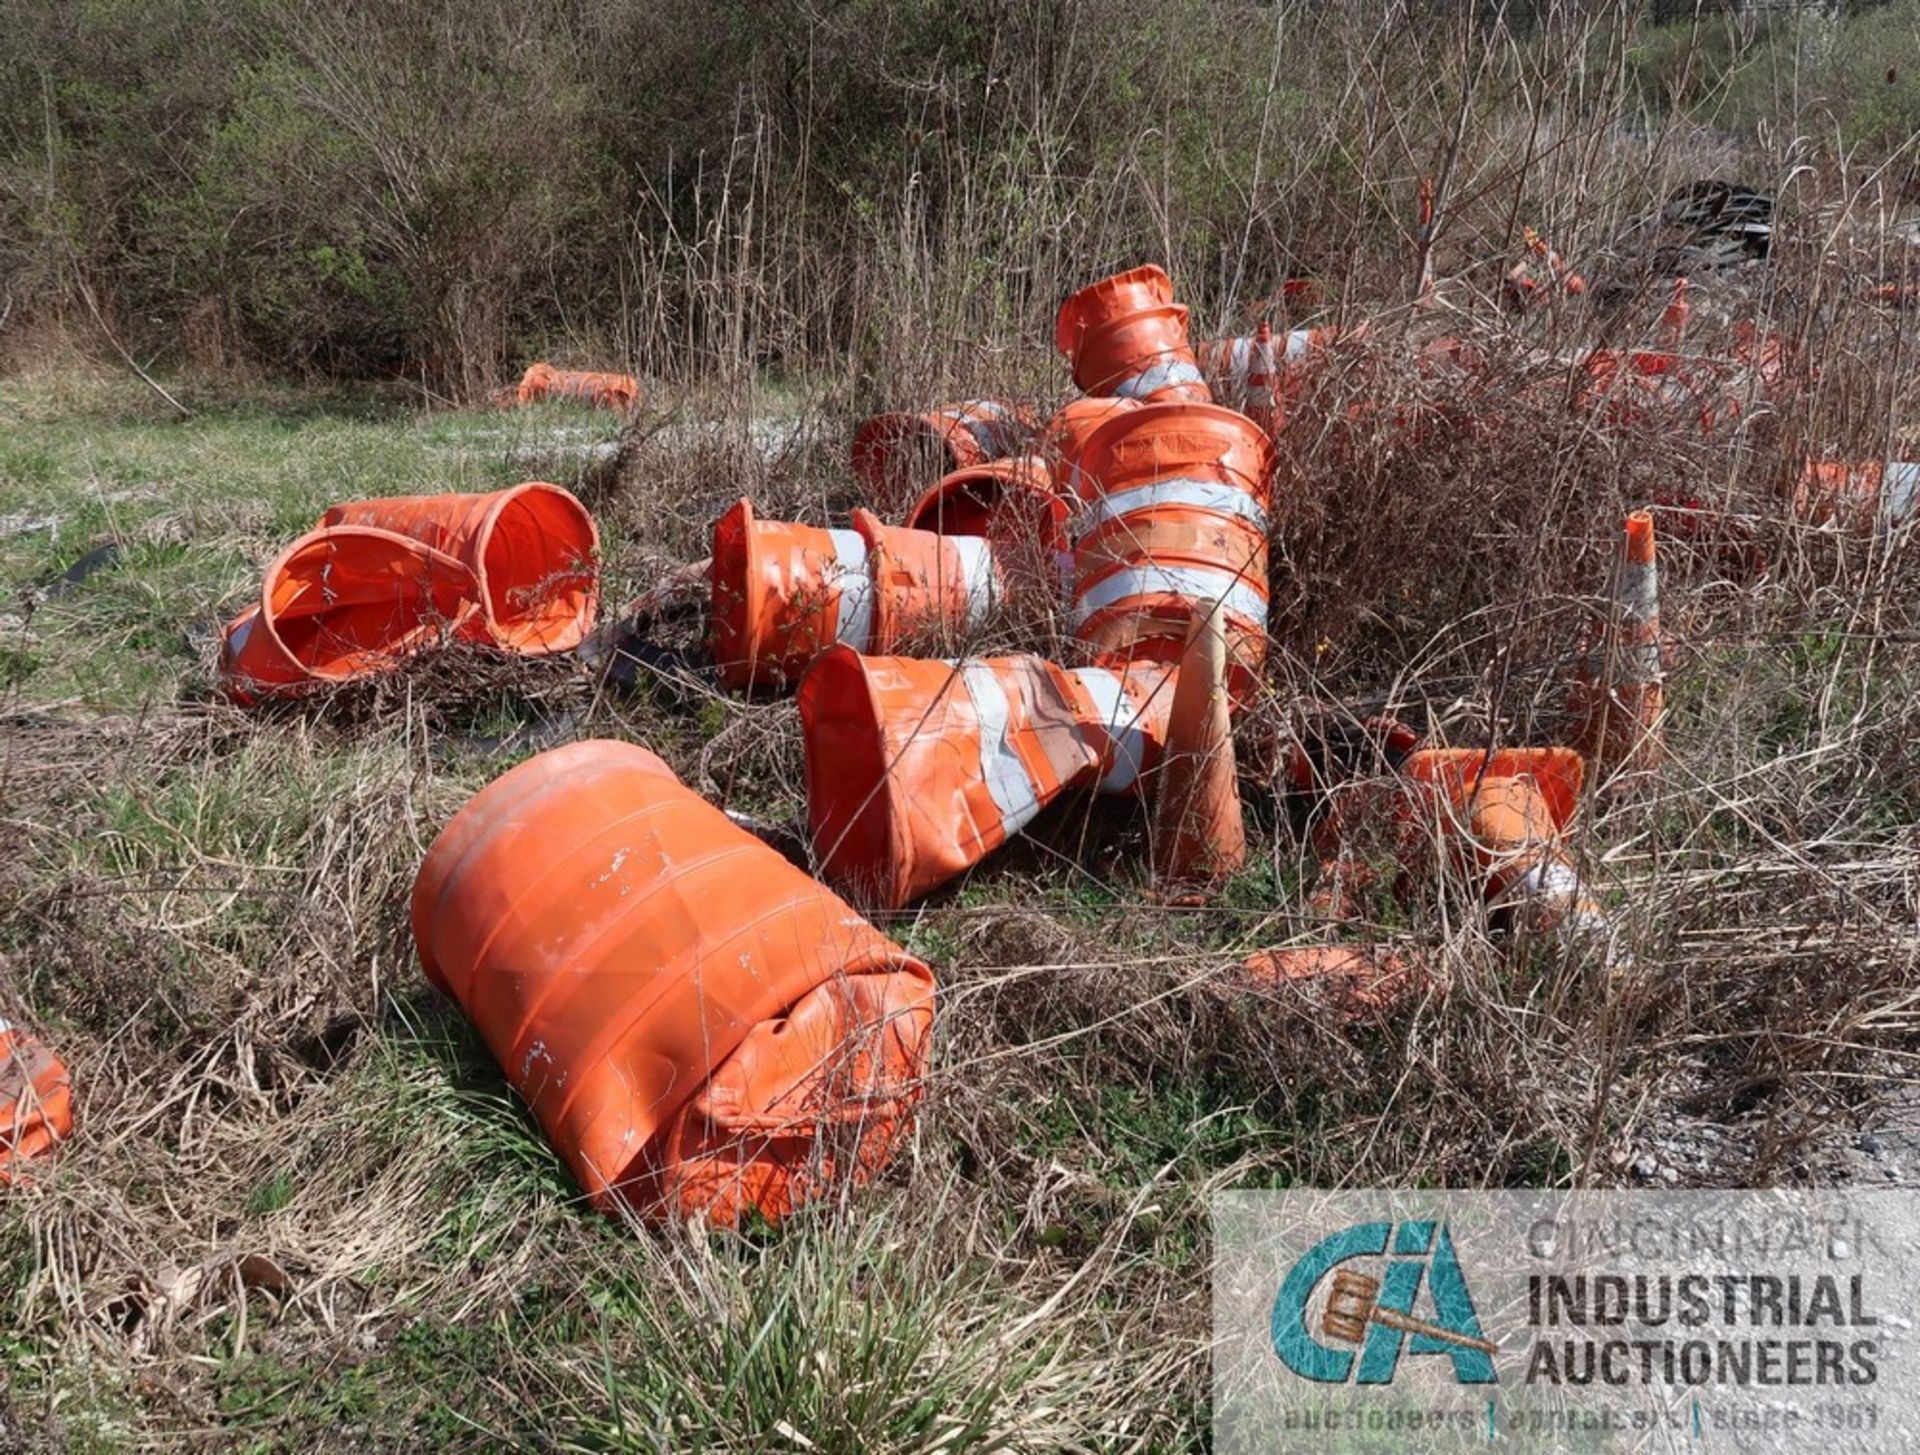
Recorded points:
702,1028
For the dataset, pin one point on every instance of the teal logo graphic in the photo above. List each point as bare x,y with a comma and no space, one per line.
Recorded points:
1381,1317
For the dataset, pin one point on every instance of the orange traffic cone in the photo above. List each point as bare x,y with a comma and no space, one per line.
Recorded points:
1673,319
1174,518
1617,701
895,456
784,593
533,548
917,770
1125,335
606,391
696,1024
1504,812
36,1099
343,602
1199,837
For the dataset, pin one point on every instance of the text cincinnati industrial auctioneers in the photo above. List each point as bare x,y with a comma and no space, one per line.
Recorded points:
1738,1328
1732,1326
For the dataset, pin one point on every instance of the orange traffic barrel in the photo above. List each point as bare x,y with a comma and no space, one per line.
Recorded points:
1063,437
342,602
1015,505
533,548
917,769
1860,497
1174,518
895,456
1358,979
783,593
36,1098
695,1023
604,391
1125,335
1199,835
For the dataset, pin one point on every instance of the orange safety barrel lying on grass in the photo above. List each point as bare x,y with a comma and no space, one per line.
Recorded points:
1014,506
532,548
1862,497
378,580
895,456
784,593
604,391
1173,517
36,1098
917,770
1125,335
696,1024
343,603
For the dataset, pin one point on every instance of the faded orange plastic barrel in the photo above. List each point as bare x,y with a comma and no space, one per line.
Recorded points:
895,456
533,548
696,1024
1125,335
1063,436
918,769
603,390
1173,519
783,593
342,602
36,1099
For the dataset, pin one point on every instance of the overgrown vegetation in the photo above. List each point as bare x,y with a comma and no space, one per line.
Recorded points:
304,1210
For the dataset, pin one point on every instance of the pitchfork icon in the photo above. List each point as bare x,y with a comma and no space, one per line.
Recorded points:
1354,1302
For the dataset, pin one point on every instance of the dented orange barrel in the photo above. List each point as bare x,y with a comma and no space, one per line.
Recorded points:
1125,335
1173,518
36,1099
1012,504
696,1024
895,456
343,602
783,593
1066,434
917,769
604,391
533,549
1862,497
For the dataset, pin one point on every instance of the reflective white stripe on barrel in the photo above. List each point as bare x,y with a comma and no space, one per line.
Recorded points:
1164,375
1000,766
1299,344
853,622
1211,495
990,423
1240,362
1121,719
1899,485
1197,583
981,575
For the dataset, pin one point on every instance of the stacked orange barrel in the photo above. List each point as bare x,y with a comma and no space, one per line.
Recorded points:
1173,517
